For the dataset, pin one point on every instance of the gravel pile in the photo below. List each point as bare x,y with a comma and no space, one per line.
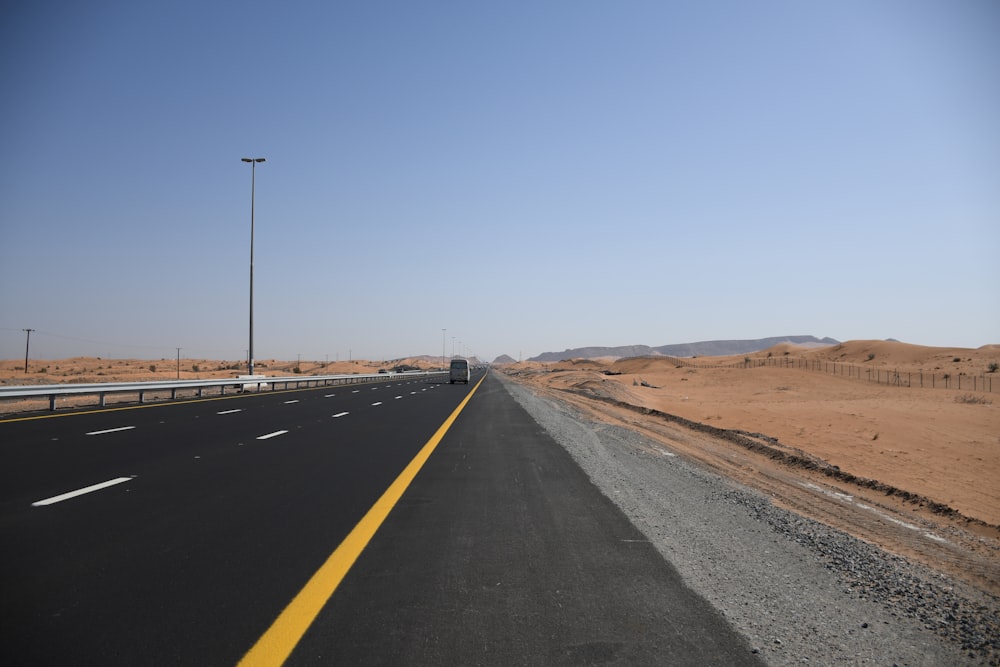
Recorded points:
801,592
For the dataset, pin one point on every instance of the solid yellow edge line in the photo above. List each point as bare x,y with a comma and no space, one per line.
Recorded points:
275,645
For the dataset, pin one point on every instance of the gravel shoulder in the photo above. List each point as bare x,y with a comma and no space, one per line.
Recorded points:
800,591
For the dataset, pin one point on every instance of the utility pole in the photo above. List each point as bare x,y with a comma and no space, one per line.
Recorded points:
178,363
27,346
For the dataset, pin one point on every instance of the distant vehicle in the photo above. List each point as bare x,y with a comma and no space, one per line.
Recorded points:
459,371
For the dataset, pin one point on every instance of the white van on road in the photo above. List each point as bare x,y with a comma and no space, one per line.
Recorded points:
459,371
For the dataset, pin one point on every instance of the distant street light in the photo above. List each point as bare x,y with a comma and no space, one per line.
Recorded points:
253,175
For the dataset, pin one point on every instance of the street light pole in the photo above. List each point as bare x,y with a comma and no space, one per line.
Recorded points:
253,176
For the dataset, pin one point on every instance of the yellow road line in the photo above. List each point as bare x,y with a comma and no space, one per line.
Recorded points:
275,645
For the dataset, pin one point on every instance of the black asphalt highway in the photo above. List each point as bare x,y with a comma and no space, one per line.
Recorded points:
178,533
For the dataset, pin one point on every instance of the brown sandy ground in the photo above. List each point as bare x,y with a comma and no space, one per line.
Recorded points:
87,370
914,470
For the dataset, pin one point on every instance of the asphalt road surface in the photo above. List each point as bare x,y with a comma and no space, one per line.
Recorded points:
178,533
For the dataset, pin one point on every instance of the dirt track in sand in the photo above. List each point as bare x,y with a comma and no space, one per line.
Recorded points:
913,471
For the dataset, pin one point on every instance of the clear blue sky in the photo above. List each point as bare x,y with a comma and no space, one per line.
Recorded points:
529,176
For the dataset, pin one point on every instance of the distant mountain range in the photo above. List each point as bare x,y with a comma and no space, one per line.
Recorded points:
708,348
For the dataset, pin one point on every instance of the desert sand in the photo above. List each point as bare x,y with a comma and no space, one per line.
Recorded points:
940,443
80,370
87,370
937,449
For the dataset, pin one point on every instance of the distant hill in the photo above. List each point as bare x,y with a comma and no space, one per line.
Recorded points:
595,352
504,359
708,348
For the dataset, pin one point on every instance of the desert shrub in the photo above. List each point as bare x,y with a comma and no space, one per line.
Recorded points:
956,360
993,367
972,399
152,368
195,367
296,370
871,355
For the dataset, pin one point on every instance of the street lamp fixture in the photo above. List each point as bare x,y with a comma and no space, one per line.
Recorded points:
253,174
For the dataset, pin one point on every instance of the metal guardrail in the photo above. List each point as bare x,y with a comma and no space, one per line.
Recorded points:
238,385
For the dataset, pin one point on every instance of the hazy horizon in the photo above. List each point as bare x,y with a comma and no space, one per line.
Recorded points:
429,355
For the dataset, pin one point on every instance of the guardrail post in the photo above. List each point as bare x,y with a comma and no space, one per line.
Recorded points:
102,396
52,402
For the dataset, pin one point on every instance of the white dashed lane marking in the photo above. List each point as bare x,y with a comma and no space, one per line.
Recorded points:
111,430
80,492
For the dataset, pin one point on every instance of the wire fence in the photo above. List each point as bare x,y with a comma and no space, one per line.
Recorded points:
983,382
